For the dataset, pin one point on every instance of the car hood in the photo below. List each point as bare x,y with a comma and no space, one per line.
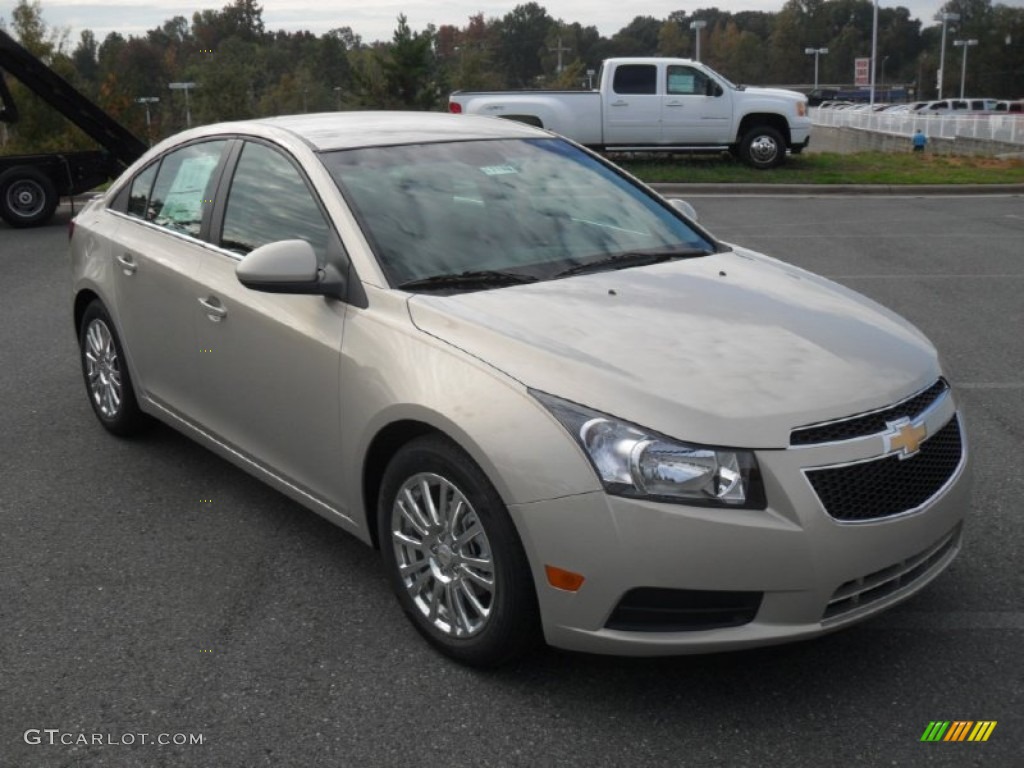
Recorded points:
732,349
776,93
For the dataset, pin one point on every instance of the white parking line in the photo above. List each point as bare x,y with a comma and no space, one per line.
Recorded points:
999,275
951,620
989,384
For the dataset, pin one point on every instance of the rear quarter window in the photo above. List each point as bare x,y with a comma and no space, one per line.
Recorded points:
181,193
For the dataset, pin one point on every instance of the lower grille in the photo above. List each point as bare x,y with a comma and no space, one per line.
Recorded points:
889,486
650,609
876,586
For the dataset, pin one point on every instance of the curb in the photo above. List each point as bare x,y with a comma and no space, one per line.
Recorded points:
838,189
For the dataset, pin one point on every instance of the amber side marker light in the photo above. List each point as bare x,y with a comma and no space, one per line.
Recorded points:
559,578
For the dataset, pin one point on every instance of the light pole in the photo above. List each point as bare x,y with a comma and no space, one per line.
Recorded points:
816,52
559,49
186,87
963,68
698,26
944,17
874,50
146,101
590,79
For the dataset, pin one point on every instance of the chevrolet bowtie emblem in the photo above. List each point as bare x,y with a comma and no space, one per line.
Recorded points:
904,437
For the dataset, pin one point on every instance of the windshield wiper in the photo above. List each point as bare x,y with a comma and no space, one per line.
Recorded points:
631,259
469,279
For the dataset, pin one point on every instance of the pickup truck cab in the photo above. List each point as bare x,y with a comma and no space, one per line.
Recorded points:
659,104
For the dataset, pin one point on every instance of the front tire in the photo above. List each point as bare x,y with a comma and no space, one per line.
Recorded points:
27,197
763,147
107,380
454,556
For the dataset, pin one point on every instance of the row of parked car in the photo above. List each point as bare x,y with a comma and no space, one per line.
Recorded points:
939,107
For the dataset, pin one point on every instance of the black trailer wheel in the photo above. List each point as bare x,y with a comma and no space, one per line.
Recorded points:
27,197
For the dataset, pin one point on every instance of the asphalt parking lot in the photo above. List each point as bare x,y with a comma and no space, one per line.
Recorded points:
148,587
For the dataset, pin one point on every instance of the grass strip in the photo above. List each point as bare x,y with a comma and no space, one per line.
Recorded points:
828,168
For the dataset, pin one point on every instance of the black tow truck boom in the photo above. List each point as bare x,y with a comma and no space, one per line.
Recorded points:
32,185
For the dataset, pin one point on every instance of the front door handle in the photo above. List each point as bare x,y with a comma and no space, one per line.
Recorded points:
214,309
127,263
620,103
673,103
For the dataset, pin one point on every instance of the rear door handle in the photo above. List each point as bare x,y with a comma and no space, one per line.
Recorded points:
673,103
127,263
620,103
214,309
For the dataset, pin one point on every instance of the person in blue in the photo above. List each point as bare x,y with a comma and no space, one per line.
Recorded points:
919,141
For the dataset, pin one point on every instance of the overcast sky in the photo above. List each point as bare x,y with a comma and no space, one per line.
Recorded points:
375,19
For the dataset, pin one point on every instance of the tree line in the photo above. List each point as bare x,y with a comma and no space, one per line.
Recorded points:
241,69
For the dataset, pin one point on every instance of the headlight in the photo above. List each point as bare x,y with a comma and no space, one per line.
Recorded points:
632,461
801,109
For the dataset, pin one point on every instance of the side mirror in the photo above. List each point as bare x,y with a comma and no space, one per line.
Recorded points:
684,208
287,266
713,88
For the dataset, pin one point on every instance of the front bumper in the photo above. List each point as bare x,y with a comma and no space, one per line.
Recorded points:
816,574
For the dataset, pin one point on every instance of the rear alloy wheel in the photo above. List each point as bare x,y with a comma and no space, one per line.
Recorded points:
763,147
27,197
454,556
107,381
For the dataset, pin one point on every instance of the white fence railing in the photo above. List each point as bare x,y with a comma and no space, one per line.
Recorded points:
1007,128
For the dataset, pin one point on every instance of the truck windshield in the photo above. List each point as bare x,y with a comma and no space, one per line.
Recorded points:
721,77
533,208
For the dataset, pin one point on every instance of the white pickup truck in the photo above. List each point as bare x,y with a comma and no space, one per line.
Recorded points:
658,104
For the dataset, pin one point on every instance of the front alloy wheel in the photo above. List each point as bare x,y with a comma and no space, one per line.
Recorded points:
454,555
443,555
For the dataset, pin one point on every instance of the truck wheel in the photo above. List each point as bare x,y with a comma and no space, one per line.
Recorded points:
763,147
27,197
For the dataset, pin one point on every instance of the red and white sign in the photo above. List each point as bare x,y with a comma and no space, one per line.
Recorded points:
862,71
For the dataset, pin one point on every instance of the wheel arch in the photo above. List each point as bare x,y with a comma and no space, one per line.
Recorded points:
83,299
382,448
754,119
533,120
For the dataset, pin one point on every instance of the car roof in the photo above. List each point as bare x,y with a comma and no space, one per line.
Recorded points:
346,130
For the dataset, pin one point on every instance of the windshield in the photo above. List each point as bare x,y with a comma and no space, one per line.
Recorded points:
532,208
721,77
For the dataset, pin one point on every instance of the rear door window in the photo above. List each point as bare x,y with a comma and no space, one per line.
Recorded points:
636,79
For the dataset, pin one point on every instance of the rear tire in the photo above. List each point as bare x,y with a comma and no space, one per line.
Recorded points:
107,380
27,197
454,556
763,147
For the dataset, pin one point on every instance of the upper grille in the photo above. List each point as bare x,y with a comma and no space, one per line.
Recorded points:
889,486
867,423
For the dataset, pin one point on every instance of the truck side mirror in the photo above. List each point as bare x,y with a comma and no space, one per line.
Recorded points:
713,88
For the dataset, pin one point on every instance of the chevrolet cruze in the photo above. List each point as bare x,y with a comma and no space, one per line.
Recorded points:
559,407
